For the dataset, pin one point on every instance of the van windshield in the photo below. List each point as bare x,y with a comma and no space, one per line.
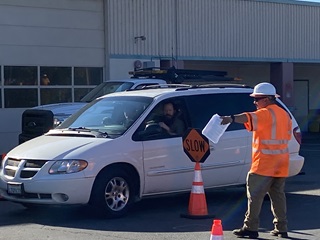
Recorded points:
106,88
112,115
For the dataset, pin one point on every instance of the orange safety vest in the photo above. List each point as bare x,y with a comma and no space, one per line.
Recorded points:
271,127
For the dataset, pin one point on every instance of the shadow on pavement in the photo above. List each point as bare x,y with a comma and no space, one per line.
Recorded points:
163,214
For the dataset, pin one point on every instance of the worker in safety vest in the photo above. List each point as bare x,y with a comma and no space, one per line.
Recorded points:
271,127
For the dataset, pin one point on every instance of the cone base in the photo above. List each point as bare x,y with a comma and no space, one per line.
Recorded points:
187,215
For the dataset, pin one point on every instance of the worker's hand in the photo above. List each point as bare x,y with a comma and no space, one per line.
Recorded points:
225,120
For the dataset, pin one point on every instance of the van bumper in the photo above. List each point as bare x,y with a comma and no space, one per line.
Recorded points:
296,163
51,192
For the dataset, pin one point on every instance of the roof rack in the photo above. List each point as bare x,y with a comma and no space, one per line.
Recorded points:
179,86
169,85
173,75
224,85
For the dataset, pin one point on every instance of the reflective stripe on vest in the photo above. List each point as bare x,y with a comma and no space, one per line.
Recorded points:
273,141
274,126
271,152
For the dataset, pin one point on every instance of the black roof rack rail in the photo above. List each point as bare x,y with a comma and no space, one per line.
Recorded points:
169,85
179,86
173,75
223,85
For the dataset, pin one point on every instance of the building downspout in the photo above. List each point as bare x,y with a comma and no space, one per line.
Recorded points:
106,40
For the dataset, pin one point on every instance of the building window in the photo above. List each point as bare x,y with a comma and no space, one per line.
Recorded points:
85,79
79,93
55,75
20,75
55,95
31,86
50,78
87,75
20,98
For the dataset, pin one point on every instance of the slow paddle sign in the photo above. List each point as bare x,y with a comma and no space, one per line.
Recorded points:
196,145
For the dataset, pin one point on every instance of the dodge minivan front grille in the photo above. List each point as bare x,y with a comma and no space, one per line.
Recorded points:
28,168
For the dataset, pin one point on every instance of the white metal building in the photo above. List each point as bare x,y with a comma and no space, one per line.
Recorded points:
79,43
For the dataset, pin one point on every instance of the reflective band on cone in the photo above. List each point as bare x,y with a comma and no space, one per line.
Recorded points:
197,202
216,230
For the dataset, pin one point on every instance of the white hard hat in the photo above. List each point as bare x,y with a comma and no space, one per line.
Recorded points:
264,89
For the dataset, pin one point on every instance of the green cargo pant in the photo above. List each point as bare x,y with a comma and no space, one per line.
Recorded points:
257,187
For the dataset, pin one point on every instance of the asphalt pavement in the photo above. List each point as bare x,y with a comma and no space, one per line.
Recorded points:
160,218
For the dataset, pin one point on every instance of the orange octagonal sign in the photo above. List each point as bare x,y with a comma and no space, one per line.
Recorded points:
196,145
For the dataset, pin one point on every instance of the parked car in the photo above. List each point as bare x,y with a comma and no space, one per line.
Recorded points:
39,120
94,158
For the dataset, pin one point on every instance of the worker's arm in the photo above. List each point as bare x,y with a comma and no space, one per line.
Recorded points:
238,118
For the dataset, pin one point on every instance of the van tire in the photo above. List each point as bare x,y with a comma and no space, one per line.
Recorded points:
112,194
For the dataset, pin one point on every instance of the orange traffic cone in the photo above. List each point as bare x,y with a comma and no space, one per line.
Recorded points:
216,231
197,201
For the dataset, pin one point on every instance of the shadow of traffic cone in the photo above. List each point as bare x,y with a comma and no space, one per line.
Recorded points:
197,201
216,231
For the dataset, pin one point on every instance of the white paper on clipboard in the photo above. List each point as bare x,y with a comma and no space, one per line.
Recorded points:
214,129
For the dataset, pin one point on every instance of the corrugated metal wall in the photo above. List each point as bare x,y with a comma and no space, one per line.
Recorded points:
215,29
54,33
131,19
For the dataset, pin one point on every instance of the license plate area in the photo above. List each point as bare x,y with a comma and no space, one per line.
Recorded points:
15,188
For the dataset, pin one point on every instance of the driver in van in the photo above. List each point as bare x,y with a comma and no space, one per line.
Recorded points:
170,120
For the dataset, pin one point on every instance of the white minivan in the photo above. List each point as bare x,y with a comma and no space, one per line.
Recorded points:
98,157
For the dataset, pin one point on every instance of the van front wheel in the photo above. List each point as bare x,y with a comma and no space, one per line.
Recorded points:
112,193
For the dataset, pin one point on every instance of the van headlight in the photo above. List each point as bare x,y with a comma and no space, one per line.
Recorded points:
68,166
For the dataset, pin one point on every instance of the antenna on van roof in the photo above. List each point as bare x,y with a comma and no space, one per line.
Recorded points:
173,75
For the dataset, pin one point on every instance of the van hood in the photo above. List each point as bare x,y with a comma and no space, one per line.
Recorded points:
62,108
56,147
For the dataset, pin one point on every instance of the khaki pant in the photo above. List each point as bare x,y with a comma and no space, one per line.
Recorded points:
257,187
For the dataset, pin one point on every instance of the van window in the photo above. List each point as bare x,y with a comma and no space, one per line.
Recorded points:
203,107
150,128
111,115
